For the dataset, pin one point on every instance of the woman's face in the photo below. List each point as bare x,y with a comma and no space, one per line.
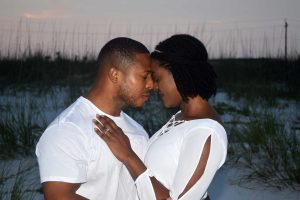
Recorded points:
165,84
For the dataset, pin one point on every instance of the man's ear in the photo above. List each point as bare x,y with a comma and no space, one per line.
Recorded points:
113,74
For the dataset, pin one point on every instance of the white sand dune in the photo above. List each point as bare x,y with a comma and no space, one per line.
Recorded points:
225,187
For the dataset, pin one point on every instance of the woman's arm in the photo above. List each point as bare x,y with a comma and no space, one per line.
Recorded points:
201,155
119,144
198,171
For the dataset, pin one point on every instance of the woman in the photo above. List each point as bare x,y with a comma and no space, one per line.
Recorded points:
184,155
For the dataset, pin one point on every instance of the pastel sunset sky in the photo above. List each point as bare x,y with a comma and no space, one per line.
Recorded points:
217,22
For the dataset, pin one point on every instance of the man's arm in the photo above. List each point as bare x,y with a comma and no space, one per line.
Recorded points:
60,153
55,190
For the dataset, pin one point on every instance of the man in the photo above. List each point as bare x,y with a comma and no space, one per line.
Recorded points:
74,162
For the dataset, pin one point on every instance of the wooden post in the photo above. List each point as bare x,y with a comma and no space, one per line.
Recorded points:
285,40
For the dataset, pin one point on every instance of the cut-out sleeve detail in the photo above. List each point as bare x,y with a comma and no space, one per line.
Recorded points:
144,186
190,155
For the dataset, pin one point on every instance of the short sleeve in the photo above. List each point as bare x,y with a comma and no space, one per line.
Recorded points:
190,155
62,155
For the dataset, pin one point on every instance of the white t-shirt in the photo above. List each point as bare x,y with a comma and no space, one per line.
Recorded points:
173,155
70,151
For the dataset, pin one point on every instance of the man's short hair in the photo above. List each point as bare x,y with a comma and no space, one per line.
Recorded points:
119,52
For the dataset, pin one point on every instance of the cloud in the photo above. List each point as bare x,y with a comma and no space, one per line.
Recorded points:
44,14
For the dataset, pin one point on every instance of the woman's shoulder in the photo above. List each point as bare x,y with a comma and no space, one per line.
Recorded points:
207,125
204,123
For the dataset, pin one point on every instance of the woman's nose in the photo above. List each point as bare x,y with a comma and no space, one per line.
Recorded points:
149,83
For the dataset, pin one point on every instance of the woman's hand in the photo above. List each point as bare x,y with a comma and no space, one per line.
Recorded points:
119,144
114,137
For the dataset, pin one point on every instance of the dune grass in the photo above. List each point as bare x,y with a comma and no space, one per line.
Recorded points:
254,136
267,150
14,184
262,145
253,78
41,69
21,124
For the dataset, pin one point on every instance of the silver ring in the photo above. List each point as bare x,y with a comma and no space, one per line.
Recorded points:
105,130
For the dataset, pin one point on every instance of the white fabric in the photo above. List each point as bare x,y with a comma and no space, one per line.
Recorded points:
70,151
172,158
144,186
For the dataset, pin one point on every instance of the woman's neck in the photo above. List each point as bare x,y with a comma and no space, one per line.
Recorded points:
197,108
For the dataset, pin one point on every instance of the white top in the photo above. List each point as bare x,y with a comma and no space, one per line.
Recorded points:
70,151
173,154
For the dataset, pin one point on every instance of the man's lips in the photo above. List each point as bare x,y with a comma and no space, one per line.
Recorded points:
146,96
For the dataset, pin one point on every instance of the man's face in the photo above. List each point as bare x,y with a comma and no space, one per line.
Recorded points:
136,81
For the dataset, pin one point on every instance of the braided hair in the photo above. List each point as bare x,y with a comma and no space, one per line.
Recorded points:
187,59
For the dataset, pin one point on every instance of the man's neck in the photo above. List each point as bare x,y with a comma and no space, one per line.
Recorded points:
107,104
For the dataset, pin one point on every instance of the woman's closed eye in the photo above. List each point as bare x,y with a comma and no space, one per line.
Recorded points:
155,78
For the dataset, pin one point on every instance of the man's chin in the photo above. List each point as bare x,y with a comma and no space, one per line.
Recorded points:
138,105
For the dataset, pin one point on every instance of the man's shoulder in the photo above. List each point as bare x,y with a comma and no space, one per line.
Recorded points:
62,133
77,113
78,109
74,120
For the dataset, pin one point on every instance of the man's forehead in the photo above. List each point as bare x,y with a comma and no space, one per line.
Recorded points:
141,68
142,62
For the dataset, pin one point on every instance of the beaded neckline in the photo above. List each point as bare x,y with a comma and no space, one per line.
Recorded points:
170,124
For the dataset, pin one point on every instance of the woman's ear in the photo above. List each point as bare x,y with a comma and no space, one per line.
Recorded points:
113,74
